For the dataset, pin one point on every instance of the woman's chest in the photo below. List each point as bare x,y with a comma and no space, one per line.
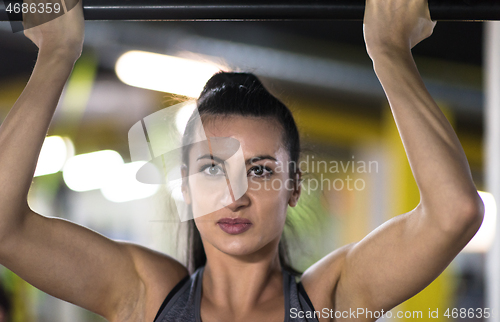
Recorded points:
269,311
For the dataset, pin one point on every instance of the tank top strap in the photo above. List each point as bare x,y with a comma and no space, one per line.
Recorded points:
297,300
180,304
287,279
171,294
198,279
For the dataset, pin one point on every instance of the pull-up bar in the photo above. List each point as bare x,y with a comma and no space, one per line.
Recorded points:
267,10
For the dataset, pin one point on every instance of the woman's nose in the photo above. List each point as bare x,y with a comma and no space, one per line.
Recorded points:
235,205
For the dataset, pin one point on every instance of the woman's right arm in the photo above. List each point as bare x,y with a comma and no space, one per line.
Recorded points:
114,279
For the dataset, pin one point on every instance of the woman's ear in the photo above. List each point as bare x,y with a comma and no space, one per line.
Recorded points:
297,189
185,184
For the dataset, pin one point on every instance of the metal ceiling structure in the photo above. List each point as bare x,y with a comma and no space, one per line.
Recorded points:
262,10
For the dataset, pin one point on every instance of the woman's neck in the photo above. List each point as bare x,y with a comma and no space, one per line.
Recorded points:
242,282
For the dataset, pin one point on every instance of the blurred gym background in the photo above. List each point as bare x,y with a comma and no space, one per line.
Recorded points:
129,70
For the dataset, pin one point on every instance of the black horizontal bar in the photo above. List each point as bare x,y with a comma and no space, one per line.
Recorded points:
267,10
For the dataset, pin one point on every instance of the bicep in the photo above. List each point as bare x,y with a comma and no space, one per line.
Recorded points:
397,260
71,262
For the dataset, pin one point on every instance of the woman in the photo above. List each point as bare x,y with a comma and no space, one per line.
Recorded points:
243,278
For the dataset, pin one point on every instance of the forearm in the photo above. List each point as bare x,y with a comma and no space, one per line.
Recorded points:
23,131
434,152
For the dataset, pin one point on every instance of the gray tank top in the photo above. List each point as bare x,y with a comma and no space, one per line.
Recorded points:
183,303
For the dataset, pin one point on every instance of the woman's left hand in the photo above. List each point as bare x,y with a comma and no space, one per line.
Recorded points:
396,25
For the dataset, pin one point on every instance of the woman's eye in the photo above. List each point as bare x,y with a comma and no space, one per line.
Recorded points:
260,171
213,170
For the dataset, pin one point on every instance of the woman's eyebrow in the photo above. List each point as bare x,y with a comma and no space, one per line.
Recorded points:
247,162
211,157
260,158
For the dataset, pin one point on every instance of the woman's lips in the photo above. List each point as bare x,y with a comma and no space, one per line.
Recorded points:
234,226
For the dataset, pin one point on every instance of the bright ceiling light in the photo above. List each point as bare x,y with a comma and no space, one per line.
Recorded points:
90,171
54,153
121,184
484,237
164,73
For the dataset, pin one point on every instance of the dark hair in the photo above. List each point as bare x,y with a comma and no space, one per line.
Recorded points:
226,94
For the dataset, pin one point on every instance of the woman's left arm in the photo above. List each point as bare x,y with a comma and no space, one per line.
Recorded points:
408,252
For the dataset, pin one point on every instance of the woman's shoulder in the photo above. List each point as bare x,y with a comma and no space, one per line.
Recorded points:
321,278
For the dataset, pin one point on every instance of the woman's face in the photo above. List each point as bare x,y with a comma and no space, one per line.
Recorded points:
260,212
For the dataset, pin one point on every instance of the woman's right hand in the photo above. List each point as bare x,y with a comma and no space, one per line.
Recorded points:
62,35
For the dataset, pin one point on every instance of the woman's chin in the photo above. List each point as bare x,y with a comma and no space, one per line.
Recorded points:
238,248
